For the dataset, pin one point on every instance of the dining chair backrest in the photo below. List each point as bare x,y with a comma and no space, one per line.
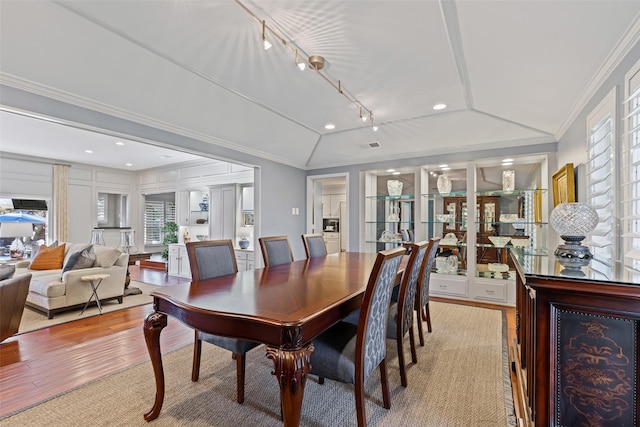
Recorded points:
314,245
409,287
276,250
211,258
425,274
371,344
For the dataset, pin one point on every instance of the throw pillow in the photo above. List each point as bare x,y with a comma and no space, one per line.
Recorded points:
6,271
48,258
106,256
81,259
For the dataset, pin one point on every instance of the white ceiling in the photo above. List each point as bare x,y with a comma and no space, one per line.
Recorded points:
512,73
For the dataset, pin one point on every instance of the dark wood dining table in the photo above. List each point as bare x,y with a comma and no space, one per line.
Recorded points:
284,307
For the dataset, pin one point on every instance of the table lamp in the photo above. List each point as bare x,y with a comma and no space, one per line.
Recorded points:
97,237
128,241
573,221
244,233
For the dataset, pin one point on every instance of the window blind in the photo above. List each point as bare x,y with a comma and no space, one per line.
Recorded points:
156,214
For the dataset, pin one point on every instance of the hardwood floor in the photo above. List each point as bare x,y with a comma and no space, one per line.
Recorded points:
37,365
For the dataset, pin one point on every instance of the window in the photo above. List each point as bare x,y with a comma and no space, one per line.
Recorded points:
156,214
631,170
600,177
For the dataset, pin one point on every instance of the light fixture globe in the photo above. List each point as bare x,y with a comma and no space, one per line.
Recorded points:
573,221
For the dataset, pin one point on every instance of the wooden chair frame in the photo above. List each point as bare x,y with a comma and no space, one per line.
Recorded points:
263,247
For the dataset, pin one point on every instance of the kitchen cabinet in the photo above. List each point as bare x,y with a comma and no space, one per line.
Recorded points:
178,263
222,212
332,241
331,205
244,259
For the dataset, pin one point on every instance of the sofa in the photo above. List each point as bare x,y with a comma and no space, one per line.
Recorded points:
13,295
57,286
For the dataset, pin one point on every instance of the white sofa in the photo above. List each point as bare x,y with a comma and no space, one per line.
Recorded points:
52,292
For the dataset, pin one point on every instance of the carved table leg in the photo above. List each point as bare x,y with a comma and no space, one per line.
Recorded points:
153,325
291,368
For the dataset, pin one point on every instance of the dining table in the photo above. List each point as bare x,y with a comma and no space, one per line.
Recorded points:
284,307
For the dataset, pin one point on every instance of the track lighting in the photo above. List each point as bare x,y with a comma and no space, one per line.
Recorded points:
299,63
315,62
265,42
373,126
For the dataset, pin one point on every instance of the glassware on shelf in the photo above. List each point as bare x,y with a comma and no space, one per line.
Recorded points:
394,187
499,241
444,184
508,180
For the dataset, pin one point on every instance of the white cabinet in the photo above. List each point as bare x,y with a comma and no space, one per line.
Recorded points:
244,258
332,240
331,205
179,261
222,211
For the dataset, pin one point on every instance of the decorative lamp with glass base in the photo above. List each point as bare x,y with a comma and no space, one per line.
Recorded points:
573,221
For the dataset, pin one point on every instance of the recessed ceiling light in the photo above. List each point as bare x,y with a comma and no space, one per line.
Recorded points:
395,173
443,166
507,160
391,170
119,143
440,106
329,126
446,169
88,151
507,163
129,164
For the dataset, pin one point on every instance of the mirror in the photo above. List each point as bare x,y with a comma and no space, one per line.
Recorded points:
112,210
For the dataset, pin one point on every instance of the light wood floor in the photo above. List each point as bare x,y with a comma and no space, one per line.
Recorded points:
38,365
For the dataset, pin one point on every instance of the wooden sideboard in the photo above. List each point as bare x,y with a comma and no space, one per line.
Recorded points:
576,355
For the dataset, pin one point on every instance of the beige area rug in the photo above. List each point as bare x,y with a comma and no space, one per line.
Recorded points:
32,320
461,379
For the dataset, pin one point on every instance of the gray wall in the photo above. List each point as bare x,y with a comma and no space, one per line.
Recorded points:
281,187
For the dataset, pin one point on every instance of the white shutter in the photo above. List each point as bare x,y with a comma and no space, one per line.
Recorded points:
156,213
631,171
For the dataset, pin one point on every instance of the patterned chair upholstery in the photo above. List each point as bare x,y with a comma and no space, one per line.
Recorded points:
314,245
400,319
276,250
350,353
209,259
422,300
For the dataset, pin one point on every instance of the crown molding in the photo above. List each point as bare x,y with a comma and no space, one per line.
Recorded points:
81,102
624,46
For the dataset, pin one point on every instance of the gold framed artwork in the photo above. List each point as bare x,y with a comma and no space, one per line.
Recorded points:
564,187
537,206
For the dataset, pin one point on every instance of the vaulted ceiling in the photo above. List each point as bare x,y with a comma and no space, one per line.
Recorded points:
511,73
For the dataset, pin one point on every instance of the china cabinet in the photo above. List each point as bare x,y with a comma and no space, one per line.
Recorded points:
393,218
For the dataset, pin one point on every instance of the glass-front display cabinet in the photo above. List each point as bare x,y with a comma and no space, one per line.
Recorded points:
389,210
481,211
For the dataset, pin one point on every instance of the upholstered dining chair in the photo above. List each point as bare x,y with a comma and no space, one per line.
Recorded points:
314,245
209,259
422,297
275,250
13,297
350,353
400,321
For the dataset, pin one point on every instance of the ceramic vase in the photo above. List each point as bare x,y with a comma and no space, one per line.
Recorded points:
444,184
508,180
394,187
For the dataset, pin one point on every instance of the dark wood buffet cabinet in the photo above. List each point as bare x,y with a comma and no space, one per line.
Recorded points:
576,355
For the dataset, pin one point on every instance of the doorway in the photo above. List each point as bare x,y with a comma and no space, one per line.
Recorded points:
328,209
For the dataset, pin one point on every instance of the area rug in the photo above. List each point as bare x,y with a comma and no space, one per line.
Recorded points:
460,379
33,320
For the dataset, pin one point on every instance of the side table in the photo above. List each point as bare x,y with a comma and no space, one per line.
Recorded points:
94,280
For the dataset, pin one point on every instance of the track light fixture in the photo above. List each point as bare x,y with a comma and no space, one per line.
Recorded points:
301,65
315,62
265,42
373,125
